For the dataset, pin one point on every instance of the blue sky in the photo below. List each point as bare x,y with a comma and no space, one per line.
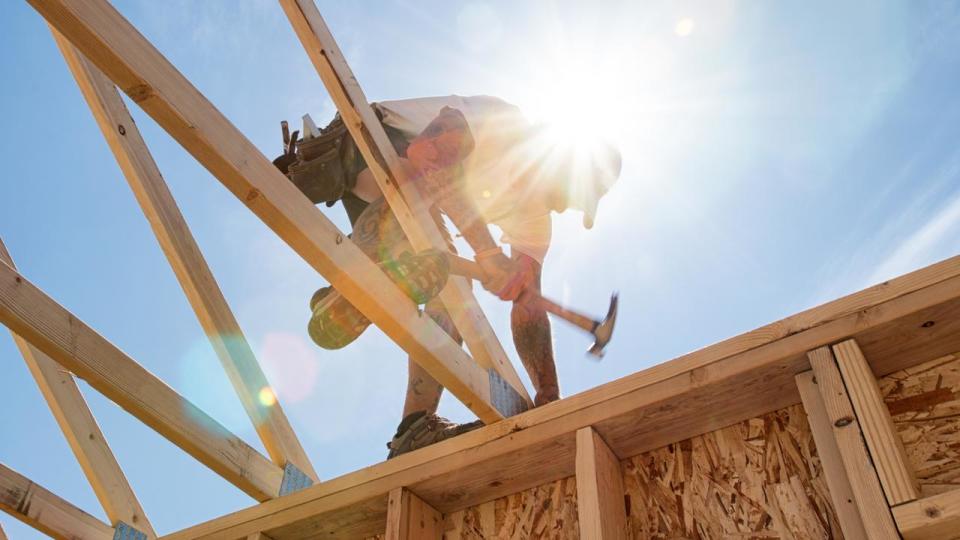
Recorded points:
776,155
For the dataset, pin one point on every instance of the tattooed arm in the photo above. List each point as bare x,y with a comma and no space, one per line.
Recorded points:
533,339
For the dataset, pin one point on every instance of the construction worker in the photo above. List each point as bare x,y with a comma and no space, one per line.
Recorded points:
480,162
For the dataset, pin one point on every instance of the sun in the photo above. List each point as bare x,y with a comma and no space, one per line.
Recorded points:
576,101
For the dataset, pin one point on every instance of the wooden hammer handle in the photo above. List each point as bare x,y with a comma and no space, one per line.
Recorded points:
470,269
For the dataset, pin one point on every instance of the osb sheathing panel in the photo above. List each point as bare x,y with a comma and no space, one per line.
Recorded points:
925,404
757,479
548,511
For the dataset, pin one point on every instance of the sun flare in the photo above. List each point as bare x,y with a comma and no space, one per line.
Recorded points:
576,101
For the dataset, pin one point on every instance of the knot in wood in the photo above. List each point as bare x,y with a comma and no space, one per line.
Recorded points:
139,92
252,194
932,512
845,421
927,324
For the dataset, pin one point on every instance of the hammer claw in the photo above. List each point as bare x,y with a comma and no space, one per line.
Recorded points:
603,331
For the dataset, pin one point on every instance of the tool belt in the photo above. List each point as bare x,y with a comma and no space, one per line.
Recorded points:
321,168
325,167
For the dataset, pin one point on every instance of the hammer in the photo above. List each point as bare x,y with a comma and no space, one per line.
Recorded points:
601,331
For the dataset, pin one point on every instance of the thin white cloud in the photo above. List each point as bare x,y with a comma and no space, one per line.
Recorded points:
936,238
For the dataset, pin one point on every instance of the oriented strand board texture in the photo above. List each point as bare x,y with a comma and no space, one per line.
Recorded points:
760,478
925,404
757,479
548,511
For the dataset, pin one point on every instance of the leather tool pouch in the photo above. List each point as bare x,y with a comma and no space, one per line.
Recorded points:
319,172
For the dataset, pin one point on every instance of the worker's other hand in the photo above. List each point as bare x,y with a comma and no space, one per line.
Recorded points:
506,278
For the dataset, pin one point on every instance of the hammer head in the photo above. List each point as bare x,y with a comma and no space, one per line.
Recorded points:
603,331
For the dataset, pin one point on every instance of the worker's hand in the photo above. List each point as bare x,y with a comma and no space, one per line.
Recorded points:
506,278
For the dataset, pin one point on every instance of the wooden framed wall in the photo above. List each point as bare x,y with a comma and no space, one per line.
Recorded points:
897,324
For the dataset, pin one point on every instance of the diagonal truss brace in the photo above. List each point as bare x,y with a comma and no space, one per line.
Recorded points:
46,512
79,427
185,258
30,313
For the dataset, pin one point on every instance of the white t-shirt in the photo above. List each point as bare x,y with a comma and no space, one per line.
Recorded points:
494,170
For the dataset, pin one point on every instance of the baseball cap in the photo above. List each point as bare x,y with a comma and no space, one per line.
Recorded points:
605,165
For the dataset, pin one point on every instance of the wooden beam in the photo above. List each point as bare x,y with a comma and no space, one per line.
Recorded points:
885,446
70,409
258,536
45,512
411,211
849,438
136,67
841,493
600,506
740,378
27,311
3,535
185,258
931,518
409,518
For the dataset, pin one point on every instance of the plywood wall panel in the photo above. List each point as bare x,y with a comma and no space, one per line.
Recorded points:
757,479
924,402
760,478
548,511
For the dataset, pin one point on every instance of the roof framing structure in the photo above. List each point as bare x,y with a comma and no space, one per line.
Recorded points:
188,264
101,34
827,357
51,338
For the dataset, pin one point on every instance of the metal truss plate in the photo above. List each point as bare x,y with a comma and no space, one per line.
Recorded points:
125,532
504,398
293,480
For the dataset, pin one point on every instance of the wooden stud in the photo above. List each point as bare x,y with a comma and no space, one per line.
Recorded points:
27,311
409,518
931,518
70,409
258,536
600,505
841,494
185,258
411,211
867,493
136,67
46,512
885,446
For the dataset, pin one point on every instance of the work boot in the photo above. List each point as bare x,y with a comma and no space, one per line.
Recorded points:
420,276
334,322
420,429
